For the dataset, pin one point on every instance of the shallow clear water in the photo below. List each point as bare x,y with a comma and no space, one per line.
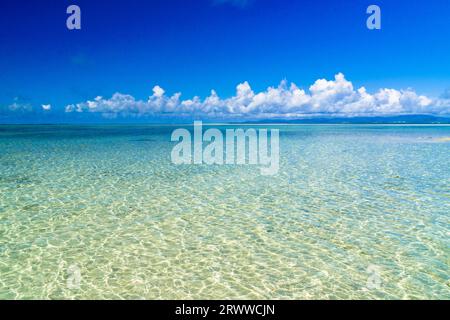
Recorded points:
107,202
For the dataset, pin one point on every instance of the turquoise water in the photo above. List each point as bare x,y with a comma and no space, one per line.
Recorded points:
107,202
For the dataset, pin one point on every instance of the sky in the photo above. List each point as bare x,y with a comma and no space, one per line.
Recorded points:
160,60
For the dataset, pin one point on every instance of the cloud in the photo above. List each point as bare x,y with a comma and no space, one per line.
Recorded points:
46,107
335,97
17,106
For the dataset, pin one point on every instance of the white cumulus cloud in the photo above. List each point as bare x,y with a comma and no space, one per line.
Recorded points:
336,97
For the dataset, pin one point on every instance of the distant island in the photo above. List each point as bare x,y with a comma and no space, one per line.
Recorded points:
402,119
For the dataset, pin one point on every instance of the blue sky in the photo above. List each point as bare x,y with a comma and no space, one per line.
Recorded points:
129,47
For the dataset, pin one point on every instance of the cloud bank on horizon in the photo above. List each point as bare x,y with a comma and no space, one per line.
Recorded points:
326,98
335,97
